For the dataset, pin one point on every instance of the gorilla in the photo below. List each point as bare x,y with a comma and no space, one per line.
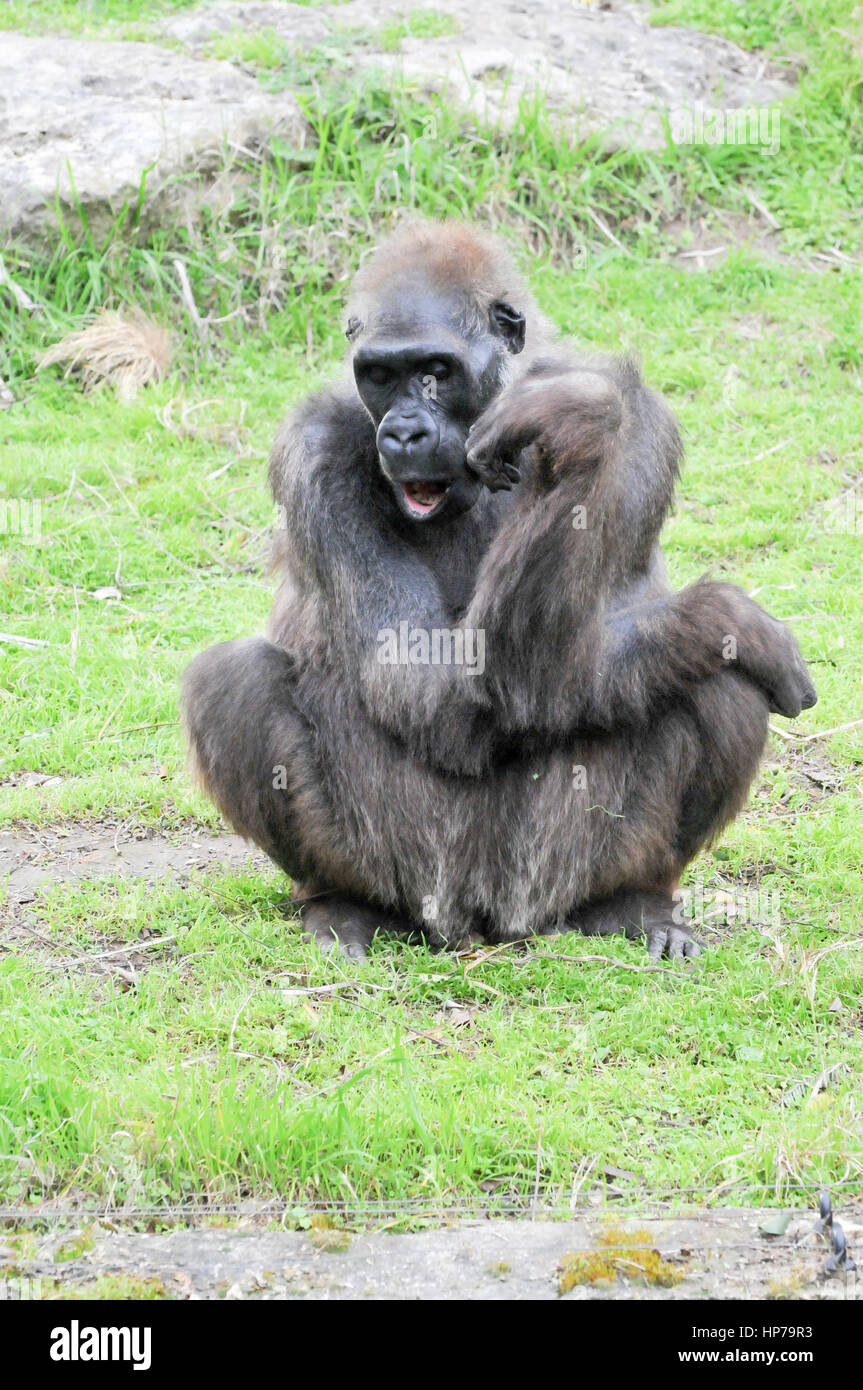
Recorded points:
480,708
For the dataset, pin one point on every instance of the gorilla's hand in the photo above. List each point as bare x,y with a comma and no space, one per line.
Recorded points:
768,653
496,440
572,417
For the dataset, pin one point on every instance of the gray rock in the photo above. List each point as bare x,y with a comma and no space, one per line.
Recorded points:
718,1254
296,25
601,70
84,119
605,71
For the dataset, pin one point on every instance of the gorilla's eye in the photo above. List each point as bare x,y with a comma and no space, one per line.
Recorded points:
379,375
436,368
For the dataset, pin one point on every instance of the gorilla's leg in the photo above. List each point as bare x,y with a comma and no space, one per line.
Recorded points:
729,716
254,755
250,747
711,746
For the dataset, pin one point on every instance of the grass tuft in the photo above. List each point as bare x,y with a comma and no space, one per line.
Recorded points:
119,350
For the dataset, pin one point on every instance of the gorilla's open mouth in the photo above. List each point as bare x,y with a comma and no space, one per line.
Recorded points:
423,498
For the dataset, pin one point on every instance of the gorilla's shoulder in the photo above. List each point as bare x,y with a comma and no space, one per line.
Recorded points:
330,425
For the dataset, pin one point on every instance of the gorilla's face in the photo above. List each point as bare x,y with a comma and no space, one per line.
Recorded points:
424,383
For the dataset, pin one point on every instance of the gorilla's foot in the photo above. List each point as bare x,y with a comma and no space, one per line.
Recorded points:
340,924
639,914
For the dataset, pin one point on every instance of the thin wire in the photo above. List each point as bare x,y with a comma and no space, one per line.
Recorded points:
416,1206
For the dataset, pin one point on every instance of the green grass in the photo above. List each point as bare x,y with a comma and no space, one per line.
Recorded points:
201,1079
416,24
206,1079
90,18
259,48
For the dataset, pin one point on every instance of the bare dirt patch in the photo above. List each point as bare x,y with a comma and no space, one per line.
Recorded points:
704,243
812,778
36,859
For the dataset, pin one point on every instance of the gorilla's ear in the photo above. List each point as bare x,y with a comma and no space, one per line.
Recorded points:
509,323
353,328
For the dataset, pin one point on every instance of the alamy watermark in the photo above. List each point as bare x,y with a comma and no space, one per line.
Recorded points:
745,125
21,516
21,1288
79,1342
436,646
700,905
841,516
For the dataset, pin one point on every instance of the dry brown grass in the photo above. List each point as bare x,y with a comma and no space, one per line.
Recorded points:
126,351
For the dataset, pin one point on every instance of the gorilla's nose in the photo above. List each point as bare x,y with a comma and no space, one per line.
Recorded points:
409,439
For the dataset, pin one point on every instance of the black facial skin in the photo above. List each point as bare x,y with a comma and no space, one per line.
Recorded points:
423,391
